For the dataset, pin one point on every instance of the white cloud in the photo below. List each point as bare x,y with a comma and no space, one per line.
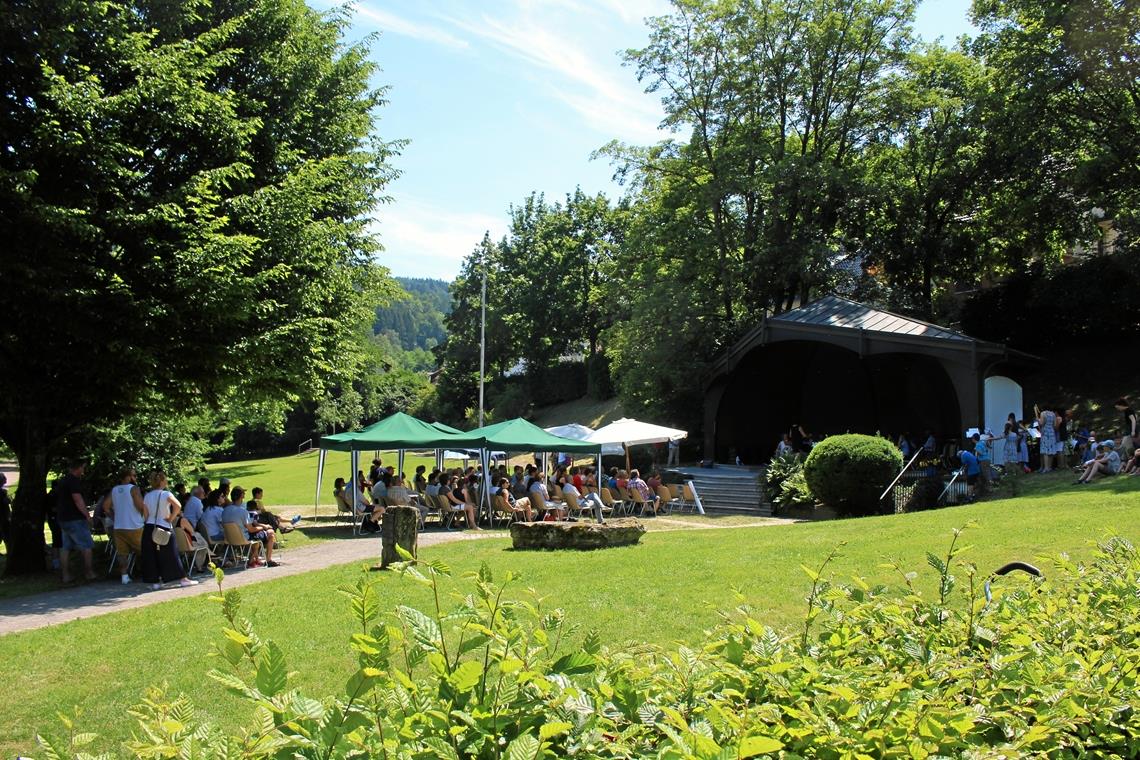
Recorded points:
635,11
423,240
390,22
588,80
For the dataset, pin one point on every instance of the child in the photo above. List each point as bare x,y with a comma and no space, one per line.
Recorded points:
1107,462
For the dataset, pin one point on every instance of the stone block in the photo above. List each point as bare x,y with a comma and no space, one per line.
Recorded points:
576,535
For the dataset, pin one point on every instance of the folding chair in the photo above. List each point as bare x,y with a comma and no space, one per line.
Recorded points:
448,511
187,552
688,497
500,506
666,500
237,545
674,492
615,506
639,503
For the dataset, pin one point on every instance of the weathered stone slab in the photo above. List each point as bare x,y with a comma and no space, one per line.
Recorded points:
585,534
400,525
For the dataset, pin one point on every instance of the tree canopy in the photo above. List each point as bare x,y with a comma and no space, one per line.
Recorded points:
185,194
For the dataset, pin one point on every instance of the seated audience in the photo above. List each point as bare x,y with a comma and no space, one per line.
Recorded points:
398,493
516,505
193,508
642,488
212,518
591,500
237,514
457,498
1107,462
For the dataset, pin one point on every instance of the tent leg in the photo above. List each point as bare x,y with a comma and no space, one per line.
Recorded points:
400,462
320,477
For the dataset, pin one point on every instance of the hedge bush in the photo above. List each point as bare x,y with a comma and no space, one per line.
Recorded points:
849,472
1048,669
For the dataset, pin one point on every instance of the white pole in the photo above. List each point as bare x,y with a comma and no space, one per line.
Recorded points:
482,338
320,476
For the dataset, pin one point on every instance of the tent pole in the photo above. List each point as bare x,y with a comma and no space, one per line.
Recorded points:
627,467
320,476
354,461
400,462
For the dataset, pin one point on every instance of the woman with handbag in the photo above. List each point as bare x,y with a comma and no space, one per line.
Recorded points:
159,558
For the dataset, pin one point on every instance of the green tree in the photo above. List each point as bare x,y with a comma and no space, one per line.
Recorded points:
1071,73
185,188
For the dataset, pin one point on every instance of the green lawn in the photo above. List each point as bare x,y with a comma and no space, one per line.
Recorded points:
662,591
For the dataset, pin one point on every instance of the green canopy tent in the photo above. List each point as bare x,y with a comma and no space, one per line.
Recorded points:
399,431
519,435
439,452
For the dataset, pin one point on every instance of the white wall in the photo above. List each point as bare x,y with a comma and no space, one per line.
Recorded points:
1003,396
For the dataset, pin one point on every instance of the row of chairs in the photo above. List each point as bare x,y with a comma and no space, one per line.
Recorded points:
234,545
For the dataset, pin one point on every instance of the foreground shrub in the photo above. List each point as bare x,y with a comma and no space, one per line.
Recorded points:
849,472
1047,669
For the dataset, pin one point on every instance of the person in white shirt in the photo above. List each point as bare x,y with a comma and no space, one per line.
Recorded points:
193,508
125,504
591,499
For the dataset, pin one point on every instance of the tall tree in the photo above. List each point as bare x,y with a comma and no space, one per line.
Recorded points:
184,187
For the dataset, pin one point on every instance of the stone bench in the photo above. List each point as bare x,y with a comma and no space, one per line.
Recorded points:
576,535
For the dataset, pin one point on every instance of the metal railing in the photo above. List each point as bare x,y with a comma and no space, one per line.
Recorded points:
305,446
902,487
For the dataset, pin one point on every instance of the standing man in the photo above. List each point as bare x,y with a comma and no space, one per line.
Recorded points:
1128,429
674,452
74,521
5,508
125,504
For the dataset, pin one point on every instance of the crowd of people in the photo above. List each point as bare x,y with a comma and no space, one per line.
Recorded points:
153,528
1052,440
526,492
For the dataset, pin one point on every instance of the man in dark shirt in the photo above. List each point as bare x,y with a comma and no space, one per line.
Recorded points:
74,521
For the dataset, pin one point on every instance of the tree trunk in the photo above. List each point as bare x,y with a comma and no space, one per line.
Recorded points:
26,536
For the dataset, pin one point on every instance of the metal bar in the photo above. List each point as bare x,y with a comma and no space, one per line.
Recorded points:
901,473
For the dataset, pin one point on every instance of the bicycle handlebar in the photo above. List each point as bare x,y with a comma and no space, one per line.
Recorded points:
1007,568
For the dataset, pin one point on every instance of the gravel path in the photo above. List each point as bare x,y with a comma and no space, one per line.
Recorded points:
25,613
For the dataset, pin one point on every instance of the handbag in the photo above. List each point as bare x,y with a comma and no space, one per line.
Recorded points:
161,535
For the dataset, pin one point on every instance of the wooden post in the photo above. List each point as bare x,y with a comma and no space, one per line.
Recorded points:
399,526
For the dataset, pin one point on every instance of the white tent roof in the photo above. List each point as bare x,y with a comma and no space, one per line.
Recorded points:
633,433
581,433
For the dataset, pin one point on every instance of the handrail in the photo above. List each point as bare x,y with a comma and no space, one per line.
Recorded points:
950,485
305,446
901,473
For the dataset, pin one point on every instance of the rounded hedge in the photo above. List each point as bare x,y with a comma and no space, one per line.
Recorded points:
849,472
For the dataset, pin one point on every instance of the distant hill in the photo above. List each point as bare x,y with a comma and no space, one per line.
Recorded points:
418,319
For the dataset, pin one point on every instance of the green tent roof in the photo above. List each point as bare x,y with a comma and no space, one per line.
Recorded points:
400,431
446,428
520,435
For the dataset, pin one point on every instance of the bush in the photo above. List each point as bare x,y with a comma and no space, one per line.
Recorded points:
1048,669
784,483
925,494
849,472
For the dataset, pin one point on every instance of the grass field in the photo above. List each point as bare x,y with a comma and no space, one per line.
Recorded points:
664,590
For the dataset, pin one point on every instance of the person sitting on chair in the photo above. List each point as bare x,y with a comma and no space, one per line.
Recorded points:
642,488
591,500
237,514
456,497
398,493
516,505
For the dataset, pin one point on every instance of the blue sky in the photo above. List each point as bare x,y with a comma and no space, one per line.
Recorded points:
502,97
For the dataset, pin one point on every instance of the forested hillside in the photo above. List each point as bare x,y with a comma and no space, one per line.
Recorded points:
416,321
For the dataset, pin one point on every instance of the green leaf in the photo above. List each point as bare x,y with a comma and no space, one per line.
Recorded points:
466,676
524,747
272,671
550,730
751,746
574,663
361,682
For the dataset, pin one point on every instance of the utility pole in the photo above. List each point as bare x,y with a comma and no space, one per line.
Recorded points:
482,336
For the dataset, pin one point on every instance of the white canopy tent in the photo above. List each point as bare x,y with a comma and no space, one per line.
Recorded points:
628,432
578,432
